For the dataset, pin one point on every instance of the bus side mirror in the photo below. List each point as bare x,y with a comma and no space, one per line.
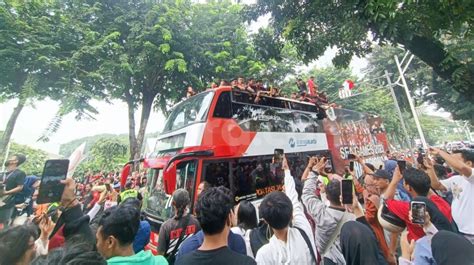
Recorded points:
169,178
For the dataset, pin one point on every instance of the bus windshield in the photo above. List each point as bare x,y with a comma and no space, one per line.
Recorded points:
190,111
155,202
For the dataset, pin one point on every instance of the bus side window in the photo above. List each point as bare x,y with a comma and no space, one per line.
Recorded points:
217,173
255,177
223,106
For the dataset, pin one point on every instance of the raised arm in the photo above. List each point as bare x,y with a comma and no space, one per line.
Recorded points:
455,163
435,183
366,169
392,187
299,218
313,204
311,162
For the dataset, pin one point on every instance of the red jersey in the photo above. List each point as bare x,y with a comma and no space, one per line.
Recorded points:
402,210
311,88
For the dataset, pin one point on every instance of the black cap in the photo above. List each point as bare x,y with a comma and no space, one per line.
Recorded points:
384,174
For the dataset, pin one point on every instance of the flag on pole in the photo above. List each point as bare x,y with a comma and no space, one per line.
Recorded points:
348,84
75,159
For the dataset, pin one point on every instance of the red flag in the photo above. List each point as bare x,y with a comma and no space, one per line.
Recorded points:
348,84
124,174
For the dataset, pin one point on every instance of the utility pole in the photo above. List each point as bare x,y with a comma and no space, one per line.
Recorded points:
410,99
397,106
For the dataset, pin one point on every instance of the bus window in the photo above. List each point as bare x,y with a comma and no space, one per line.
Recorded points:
223,106
156,201
254,177
189,111
186,176
217,173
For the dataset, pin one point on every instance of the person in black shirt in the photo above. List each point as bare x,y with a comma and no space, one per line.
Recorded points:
10,184
214,211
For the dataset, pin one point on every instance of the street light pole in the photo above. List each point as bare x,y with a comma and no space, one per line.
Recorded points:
397,106
410,100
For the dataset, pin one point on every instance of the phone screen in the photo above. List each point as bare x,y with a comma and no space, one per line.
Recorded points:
351,166
51,189
278,155
346,191
420,159
418,212
402,164
351,156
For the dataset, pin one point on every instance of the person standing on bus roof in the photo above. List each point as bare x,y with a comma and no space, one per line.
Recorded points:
190,92
175,230
312,87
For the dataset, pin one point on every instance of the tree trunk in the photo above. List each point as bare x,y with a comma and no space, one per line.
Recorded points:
147,104
432,52
10,126
131,126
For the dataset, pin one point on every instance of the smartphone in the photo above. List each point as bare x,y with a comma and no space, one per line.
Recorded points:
51,189
346,191
418,211
278,155
402,164
351,166
328,165
420,159
351,156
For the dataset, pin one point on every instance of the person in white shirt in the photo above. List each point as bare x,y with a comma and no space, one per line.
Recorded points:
462,187
290,244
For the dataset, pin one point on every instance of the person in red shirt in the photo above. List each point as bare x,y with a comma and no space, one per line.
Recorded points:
417,183
312,87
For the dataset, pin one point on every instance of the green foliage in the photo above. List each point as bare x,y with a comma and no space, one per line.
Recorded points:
427,87
35,158
438,32
66,149
438,130
106,154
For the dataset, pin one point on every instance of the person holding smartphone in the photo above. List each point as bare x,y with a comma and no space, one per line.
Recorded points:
329,219
417,184
462,187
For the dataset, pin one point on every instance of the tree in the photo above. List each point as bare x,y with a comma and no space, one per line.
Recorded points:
149,51
437,32
106,154
438,130
425,85
37,48
35,158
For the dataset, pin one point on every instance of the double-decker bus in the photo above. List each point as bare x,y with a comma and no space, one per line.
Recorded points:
224,137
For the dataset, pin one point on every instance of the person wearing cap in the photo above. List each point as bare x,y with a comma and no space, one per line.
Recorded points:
372,205
176,229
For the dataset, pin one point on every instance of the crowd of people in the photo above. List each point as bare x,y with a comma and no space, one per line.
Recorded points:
306,223
307,91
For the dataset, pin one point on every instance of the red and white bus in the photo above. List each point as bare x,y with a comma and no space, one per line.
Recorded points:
223,137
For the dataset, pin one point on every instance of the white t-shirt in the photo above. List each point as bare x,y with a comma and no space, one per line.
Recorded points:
463,201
